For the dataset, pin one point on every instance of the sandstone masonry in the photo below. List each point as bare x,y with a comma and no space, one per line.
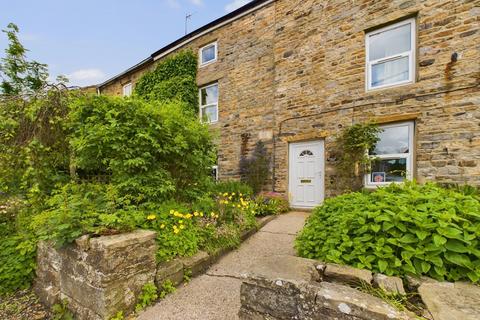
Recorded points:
295,71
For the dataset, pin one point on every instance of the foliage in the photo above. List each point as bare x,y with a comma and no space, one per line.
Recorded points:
85,208
271,203
148,150
353,160
17,248
61,312
399,301
19,77
118,316
148,296
167,288
255,170
399,230
173,79
17,262
230,186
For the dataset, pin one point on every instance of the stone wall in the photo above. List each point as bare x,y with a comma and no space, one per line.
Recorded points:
98,276
296,288
295,70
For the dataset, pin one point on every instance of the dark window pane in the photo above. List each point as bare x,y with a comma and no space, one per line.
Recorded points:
391,170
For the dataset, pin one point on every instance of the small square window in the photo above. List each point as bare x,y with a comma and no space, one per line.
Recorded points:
393,155
208,54
390,56
209,103
127,90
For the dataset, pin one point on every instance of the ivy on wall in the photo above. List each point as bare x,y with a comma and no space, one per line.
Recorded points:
172,79
353,160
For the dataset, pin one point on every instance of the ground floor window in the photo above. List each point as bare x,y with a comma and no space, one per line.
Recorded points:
393,155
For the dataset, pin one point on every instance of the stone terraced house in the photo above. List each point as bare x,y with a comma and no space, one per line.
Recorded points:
293,73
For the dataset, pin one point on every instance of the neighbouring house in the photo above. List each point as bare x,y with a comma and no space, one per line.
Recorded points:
293,73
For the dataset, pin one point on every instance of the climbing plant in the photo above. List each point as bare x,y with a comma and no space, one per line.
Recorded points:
255,169
352,157
172,79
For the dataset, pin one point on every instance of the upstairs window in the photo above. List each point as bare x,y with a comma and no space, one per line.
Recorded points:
393,155
208,54
209,103
127,90
391,55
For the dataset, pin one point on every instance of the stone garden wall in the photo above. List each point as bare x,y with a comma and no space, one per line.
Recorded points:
101,276
288,288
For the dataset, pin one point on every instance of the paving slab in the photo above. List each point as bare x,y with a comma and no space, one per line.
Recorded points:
216,294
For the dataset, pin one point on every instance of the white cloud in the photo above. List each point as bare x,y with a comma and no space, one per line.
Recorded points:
197,2
86,77
235,4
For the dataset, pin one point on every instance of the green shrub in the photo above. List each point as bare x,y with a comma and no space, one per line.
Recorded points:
17,262
398,230
271,203
150,151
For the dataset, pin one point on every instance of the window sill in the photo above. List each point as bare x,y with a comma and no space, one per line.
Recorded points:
207,64
386,87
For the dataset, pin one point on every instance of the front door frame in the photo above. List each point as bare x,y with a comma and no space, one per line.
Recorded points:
320,172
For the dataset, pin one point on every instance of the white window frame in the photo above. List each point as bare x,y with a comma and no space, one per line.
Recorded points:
200,54
408,156
125,86
410,54
201,107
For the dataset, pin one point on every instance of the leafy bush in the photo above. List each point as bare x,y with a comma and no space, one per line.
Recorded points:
398,230
147,150
173,79
271,203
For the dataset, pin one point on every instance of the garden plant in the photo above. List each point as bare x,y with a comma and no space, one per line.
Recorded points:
74,164
402,229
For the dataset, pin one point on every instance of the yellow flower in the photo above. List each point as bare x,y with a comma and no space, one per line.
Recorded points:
151,217
162,226
225,194
233,193
241,194
181,221
201,214
172,211
182,227
226,202
188,216
195,214
239,206
176,231
212,214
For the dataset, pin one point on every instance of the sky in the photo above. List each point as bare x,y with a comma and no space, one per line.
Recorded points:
90,41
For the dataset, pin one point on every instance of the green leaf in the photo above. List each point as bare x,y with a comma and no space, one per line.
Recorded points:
439,240
459,259
382,265
456,246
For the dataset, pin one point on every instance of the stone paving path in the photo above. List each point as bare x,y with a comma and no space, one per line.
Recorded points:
216,294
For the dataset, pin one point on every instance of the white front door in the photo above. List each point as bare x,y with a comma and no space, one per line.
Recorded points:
306,174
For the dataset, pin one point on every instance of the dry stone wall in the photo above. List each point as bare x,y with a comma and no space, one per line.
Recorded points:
295,70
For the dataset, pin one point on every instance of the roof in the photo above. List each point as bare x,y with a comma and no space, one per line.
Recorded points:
240,12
